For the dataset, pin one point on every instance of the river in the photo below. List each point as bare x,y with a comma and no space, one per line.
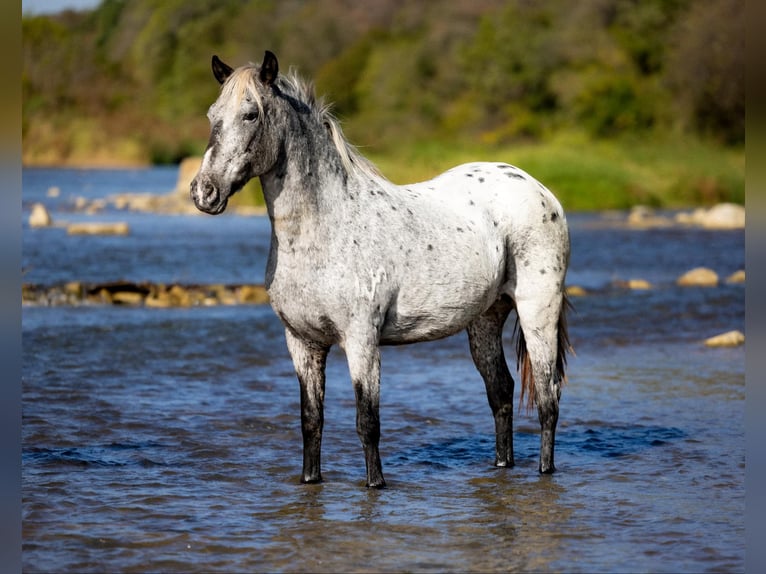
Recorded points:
169,439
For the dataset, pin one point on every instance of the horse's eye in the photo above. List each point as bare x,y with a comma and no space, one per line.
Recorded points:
251,116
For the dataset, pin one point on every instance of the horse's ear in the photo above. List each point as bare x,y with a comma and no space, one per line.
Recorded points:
221,71
269,68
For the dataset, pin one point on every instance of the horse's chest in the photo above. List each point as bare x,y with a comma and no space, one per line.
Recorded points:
307,302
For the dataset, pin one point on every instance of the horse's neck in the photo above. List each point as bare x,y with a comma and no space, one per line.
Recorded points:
305,181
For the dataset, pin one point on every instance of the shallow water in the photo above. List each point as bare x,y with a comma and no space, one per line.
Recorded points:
169,439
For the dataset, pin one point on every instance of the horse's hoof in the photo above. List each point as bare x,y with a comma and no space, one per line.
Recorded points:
504,463
311,479
547,470
376,484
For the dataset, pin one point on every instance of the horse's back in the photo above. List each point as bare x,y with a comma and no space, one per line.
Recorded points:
521,214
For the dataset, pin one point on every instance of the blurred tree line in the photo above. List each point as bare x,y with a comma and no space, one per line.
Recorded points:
131,79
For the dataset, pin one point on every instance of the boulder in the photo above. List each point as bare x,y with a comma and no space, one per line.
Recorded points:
728,339
576,291
700,276
40,216
127,298
721,216
253,294
724,216
736,277
88,228
638,284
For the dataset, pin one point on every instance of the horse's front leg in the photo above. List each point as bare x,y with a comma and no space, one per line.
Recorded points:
310,360
363,357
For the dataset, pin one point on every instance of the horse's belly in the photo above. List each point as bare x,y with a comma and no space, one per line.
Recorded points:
429,318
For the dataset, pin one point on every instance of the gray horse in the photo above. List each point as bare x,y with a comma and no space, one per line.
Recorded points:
361,262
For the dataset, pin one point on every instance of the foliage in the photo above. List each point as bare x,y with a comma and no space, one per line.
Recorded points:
130,81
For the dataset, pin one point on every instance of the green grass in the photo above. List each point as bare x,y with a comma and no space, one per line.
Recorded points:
593,175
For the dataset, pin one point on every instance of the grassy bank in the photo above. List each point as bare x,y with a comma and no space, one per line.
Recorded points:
592,175
586,175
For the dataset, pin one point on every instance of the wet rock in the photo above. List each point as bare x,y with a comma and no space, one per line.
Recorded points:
576,291
698,277
160,300
127,298
638,284
40,216
642,216
147,294
728,339
721,216
74,289
253,294
88,228
179,297
736,277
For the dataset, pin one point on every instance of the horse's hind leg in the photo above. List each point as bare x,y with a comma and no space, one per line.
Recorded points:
485,336
309,360
539,318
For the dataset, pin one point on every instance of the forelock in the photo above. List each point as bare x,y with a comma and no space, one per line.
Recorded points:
241,85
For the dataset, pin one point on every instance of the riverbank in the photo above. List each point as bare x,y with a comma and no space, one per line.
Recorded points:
587,175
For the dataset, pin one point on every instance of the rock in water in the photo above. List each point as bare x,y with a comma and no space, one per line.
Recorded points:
39,216
117,228
728,339
700,276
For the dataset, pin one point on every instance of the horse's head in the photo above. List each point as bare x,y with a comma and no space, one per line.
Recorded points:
243,143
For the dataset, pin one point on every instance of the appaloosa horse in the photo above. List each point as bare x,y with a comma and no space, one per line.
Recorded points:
358,261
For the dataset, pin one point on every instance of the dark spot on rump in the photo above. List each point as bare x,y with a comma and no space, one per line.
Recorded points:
481,180
514,175
542,271
471,201
554,216
494,223
430,247
469,175
526,263
460,229
545,218
393,207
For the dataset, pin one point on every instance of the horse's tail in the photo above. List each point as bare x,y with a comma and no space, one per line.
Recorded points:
523,362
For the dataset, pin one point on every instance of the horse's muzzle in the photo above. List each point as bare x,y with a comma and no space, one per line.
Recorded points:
207,196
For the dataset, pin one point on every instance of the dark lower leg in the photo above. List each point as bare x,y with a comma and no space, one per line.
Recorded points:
312,422
504,436
548,412
368,429
485,339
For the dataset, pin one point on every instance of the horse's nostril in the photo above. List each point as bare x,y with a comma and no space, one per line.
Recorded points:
209,192
203,191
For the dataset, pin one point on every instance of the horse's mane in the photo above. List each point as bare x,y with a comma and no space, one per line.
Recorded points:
242,83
